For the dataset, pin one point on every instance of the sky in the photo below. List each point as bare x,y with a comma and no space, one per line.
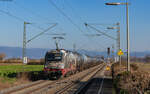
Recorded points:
70,16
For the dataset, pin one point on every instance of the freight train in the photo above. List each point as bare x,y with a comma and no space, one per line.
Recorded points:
60,63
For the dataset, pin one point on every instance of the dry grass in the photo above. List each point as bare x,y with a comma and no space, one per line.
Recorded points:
4,85
143,66
10,82
19,62
135,82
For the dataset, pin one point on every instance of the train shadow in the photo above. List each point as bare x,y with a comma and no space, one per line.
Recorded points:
36,75
31,76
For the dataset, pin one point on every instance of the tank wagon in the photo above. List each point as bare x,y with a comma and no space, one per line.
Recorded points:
60,63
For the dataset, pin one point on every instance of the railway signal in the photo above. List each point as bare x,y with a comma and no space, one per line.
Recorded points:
108,51
108,55
118,38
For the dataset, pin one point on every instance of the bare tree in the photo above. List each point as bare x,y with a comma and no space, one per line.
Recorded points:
2,56
147,58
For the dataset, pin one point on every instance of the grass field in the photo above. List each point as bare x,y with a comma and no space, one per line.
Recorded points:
9,69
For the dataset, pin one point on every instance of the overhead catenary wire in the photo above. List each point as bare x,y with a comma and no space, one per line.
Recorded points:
102,24
72,8
21,19
17,18
65,15
106,25
89,39
32,12
76,14
9,14
68,18
89,36
104,42
41,33
86,44
100,31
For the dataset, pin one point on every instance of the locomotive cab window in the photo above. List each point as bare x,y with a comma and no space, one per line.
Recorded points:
54,57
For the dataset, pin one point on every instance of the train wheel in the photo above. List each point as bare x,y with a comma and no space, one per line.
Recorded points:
57,77
50,77
73,72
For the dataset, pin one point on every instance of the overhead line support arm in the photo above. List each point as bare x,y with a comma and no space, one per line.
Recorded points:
41,33
100,31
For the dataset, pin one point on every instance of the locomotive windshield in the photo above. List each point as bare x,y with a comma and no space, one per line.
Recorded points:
54,57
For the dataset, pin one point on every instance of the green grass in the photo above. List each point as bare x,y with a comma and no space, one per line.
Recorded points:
10,69
8,80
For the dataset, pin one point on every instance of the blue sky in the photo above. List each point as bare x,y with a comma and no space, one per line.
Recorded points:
41,13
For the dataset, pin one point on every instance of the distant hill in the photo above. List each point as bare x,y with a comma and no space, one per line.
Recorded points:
36,53
93,53
16,52
140,54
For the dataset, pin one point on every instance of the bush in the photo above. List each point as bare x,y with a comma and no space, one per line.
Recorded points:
134,67
134,82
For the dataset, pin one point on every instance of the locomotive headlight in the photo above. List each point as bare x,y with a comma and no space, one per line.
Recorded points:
45,66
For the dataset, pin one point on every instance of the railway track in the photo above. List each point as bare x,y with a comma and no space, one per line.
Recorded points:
94,86
99,84
13,89
26,88
75,83
58,86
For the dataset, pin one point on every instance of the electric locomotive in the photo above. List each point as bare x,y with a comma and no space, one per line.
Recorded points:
60,63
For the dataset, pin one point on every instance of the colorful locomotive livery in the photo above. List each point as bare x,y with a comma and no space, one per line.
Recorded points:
60,63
